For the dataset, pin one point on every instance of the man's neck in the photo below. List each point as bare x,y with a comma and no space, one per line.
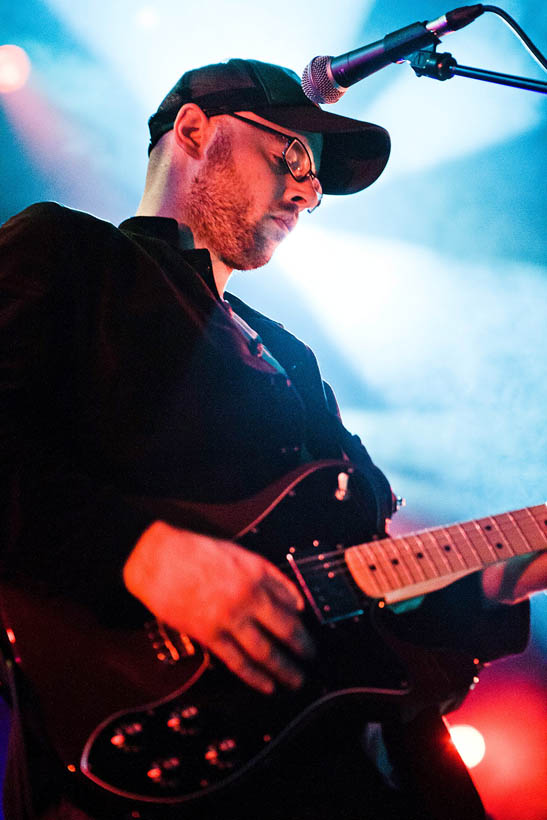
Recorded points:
221,271
188,241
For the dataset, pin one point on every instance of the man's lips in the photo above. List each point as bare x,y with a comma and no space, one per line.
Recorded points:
286,221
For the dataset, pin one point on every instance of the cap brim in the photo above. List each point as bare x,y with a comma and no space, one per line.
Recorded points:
354,152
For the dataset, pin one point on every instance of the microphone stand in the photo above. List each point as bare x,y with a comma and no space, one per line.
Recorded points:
428,63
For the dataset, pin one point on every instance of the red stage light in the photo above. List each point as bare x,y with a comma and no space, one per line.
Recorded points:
14,68
469,742
510,712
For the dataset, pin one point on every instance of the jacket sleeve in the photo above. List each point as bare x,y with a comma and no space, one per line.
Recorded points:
458,616
61,527
461,617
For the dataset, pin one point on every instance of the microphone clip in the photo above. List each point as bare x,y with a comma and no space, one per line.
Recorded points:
428,63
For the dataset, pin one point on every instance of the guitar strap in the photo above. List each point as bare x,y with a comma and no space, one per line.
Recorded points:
430,768
326,436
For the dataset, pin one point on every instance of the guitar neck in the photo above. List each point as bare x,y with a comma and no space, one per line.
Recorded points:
395,569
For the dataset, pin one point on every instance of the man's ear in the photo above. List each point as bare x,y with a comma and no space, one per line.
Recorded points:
192,130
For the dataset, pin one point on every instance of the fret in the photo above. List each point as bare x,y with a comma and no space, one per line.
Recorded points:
437,556
423,559
512,533
382,572
493,534
395,558
374,567
448,547
539,514
381,558
367,559
363,563
414,563
484,549
470,556
535,535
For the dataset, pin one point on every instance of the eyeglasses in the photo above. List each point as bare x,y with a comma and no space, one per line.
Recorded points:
296,157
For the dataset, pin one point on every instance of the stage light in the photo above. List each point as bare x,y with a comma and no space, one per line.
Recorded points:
14,68
469,742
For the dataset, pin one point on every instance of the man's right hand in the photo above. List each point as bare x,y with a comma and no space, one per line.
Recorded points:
232,601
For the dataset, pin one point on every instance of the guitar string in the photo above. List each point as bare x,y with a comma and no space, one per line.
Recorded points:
467,561
334,562
389,572
340,568
336,565
328,560
325,561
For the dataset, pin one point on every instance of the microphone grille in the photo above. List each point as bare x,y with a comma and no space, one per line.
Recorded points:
317,82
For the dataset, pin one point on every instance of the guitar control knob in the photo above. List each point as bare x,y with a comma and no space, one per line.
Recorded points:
165,772
118,740
184,720
222,753
127,736
133,729
169,764
155,774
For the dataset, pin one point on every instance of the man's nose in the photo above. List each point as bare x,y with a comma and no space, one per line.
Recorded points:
306,194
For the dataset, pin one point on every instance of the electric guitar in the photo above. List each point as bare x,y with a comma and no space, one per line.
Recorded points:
146,715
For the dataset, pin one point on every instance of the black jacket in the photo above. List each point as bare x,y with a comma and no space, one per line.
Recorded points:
124,376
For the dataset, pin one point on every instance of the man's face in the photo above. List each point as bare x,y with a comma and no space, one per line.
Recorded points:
243,201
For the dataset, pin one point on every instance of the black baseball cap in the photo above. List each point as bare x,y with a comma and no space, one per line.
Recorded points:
354,153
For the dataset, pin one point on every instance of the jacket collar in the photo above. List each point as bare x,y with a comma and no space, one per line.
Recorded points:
167,229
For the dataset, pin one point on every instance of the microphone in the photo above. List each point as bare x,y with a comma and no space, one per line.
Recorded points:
326,79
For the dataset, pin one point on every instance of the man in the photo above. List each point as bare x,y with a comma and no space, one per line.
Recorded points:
130,375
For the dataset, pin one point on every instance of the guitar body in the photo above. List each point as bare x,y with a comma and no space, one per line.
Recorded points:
147,716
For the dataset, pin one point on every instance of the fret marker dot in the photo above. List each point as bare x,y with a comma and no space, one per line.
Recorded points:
419,555
372,567
499,546
447,547
488,527
394,561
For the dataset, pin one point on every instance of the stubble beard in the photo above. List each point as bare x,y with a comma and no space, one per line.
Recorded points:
218,208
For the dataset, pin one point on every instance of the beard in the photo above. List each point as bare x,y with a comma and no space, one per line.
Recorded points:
218,210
